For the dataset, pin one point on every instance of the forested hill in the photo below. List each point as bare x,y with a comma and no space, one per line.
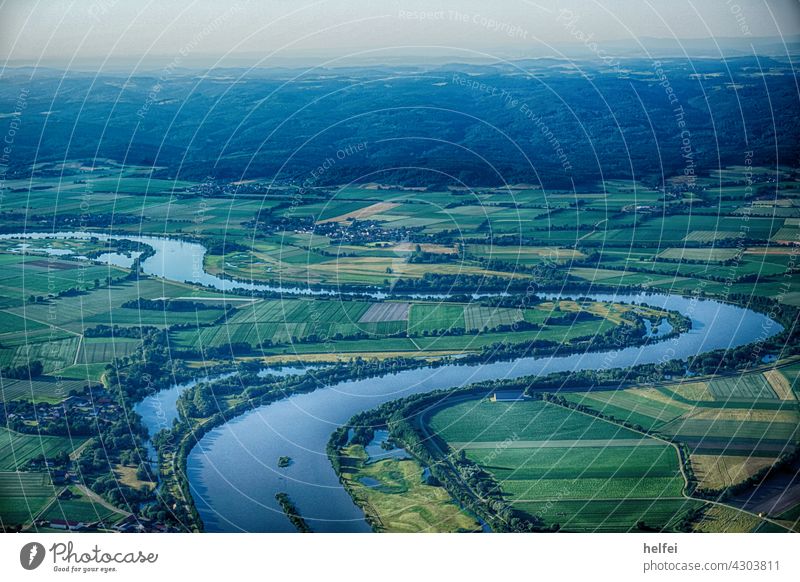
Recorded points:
542,121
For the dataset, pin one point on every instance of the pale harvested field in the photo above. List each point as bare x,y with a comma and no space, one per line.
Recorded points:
779,251
127,476
701,254
710,235
362,213
653,394
744,415
386,312
718,471
719,519
780,384
697,391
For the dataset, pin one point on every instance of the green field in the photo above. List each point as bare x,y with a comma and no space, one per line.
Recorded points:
98,350
41,389
22,496
442,316
550,460
732,426
752,386
324,325
80,508
641,407
16,449
610,516
700,255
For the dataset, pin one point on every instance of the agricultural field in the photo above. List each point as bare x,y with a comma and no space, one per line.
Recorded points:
17,449
721,519
581,472
99,350
79,507
345,326
23,496
42,389
733,427
703,255
424,318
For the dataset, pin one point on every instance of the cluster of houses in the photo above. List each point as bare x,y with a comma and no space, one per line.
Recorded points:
129,524
100,407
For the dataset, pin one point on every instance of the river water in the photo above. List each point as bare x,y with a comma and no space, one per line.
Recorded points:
233,471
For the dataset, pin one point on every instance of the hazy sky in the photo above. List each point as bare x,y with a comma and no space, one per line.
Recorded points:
49,31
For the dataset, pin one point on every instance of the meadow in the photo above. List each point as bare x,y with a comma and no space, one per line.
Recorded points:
396,497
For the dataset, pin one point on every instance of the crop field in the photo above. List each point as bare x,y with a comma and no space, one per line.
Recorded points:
787,235
16,449
546,456
127,317
22,496
370,266
54,353
733,426
792,377
753,386
433,317
710,236
99,350
719,471
610,515
320,325
101,305
362,213
702,255
646,407
528,420
25,277
692,391
41,389
480,317
386,312
525,255
720,519
10,323
80,508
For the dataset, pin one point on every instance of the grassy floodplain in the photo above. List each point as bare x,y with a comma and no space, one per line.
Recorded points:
396,497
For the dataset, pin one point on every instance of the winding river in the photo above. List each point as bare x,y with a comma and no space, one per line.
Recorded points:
234,473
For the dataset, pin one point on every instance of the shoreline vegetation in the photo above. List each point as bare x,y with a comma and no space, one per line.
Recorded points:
292,513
